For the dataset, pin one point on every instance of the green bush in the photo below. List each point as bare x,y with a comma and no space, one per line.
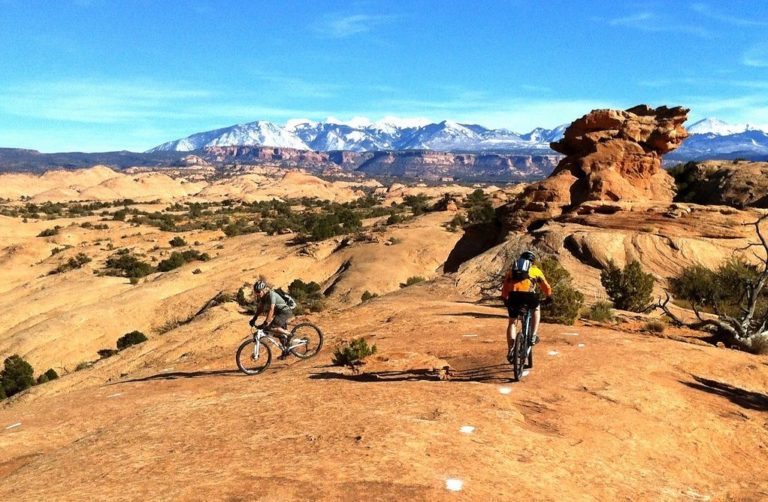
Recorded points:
567,301
394,219
367,295
352,352
414,279
132,338
601,312
177,241
83,365
49,232
177,259
17,375
629,288
308,295
122,264
458,221
73,263
47,376
105,353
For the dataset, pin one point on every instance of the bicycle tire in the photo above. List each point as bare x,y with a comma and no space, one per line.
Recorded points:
309,331
242,358
521,351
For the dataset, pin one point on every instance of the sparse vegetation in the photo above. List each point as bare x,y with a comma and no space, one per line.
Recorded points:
352,352
83,365
124,264
177,241
105,353
655,326
600,312
177,259
129,339
308,296
73,263
458,221
414,279
479,208
367,295
17,375
629,288
567,301
50,232
47,376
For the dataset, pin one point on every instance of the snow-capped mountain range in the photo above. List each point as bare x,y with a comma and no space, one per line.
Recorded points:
710,138
360,135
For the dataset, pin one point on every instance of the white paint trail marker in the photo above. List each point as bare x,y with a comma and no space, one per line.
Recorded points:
570,334
454,485
114,395
552,353
13,426
505,390
467,429
526,372
469,335
581,345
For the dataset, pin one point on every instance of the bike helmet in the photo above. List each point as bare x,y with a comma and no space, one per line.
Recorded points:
259,285
528,255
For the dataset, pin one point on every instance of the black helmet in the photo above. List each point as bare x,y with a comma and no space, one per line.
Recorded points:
528,255
259,285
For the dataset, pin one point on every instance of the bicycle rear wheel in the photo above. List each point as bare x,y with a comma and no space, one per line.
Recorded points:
520,352
310,338
250,361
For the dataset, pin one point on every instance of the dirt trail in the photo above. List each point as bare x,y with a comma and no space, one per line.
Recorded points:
607,416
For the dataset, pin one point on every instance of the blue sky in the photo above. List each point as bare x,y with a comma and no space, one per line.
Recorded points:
97,75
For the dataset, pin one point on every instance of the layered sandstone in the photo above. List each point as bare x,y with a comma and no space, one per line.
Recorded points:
611,155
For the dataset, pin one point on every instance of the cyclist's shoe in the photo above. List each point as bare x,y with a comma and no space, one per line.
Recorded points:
284,355
535,339
511,355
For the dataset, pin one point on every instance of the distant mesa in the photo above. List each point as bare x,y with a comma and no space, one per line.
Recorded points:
610,155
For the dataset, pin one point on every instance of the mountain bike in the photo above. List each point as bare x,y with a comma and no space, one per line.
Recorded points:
522,352
255,355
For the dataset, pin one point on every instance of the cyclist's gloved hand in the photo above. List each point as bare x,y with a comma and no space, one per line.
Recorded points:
252,322
262,325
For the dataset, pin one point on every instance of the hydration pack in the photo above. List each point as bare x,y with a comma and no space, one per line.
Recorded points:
288,299
519,276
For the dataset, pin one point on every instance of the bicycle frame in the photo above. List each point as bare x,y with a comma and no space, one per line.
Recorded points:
261,334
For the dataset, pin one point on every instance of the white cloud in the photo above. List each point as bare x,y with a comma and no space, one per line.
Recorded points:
707,11
343,26
756,56
651,22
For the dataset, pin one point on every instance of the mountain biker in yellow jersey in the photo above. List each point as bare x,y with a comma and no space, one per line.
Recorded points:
521,289
277,310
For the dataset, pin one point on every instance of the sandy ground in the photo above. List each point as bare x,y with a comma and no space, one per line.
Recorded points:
603,415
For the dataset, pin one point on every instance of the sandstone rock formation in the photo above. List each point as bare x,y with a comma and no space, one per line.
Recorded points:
723,182
611,155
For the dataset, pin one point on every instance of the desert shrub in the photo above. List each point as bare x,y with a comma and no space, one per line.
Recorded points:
83,365
479,208
105,353
17,375
458,221
567,301
120,215
629,288
2,393
132,338
367,295
123,264
177,241
73,263
600,312
308,295
417,203
394,218
414,279
49,232
177,259
352,352
655,326
47,376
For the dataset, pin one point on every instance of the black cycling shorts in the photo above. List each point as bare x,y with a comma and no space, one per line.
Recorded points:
520,301
281,319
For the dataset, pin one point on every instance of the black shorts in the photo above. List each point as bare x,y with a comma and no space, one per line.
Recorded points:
281,319
518,302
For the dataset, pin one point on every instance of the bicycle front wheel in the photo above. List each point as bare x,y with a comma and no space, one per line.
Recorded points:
306,340
252,361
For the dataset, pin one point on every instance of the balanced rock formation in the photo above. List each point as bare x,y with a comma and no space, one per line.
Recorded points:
611,155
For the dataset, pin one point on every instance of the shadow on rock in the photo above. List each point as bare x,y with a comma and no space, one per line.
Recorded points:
184,374
744,398
494,373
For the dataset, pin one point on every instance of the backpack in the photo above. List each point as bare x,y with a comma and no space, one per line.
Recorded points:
288,299
519,276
